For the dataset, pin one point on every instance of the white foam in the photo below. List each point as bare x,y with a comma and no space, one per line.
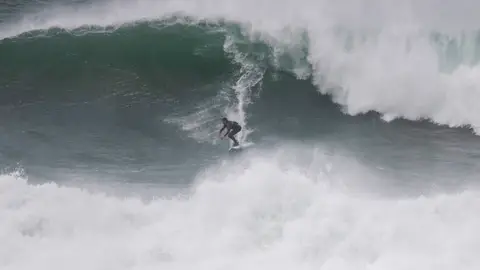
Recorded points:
265,212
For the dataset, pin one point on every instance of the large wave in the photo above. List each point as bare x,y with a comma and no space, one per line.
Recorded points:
368,197
400,59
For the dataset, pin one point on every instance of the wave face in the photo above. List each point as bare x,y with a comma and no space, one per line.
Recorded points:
58,57
109,139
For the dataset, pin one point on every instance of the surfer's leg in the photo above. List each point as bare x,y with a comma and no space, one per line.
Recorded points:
235,142
232,134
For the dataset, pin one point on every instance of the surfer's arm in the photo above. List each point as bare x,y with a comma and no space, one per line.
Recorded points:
220,132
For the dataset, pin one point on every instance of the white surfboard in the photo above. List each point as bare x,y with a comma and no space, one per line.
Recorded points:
240,146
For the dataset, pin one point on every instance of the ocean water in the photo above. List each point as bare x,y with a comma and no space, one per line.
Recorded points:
361,116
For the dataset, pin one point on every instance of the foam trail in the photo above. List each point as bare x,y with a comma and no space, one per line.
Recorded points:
250,76
201,124
261,213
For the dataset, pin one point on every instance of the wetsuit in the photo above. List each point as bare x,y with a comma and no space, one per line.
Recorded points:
232,129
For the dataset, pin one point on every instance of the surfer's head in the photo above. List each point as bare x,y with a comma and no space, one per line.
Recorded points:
224,120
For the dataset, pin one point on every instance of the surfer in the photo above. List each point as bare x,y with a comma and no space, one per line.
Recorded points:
232,129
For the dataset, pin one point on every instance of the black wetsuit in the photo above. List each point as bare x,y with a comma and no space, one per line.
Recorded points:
232,129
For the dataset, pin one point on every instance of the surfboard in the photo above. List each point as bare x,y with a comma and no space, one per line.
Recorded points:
240,147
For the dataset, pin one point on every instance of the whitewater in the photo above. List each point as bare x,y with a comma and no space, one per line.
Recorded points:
361,118
265,216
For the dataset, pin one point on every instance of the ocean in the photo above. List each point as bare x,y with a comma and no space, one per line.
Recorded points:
361,119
